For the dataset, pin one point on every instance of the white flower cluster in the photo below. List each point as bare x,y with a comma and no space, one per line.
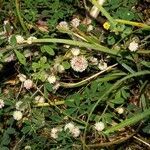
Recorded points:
75,51
74,130
63,25
102,65
99,126
27,83
120,110
79,63
54,132
39,99
133,46
17,115
75,22
2,104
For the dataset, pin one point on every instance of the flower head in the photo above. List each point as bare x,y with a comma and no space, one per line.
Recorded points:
90,28
75,51
28,84
19,39
60,68
93,61
102,65
63,25
99,126
120,110
22,77
39,99
54,132
75,22
69,126
79,63
51,79
17,115
1,103
133,46
75,132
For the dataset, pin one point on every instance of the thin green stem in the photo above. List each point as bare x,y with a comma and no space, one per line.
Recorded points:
19,16
72,85
109,91
97,47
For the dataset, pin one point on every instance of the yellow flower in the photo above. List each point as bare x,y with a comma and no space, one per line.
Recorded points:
106,25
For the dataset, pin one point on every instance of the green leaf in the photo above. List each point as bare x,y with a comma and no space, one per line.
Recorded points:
20,57
66,64
48,49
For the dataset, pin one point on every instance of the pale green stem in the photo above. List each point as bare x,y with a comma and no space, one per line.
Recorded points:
19,16
72,85
97,47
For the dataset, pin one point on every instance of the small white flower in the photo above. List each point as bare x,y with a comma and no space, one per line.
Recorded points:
30,39
22,77
10,58
90,28
27,53
93,61
63,25
36,53
120,110
19,106
69,126
75,132
28,84
19,39
66,46
39,99
75,22
6,22
2,104
75,51
102,65
51,79
79,63
99,126
60,68
27,147
54,132
17,115
133,46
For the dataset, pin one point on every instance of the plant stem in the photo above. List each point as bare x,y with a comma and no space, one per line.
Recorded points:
19,16
97,47
141,25
72,85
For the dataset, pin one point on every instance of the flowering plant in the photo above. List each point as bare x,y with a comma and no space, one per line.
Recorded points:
86,90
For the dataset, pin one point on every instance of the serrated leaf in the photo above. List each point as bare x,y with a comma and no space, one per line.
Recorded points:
20,57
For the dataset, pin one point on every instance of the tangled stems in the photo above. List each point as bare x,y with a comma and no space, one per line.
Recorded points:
108,92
